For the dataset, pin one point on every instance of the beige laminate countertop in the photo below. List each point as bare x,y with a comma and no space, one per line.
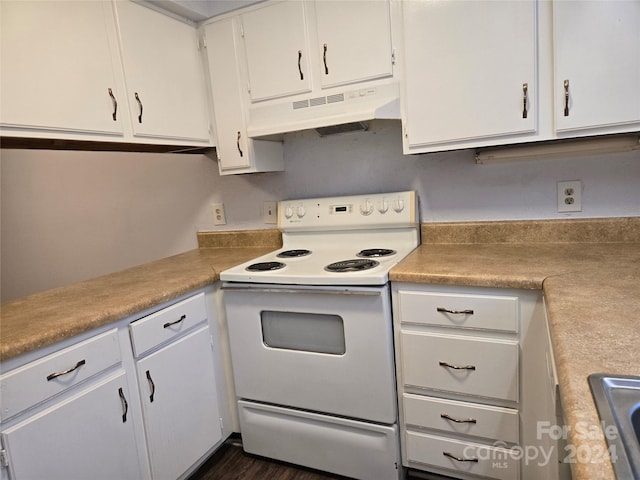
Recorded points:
592,292
42,319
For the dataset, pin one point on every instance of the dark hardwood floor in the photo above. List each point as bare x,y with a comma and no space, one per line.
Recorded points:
231,463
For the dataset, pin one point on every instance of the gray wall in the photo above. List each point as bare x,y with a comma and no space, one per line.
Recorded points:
68,216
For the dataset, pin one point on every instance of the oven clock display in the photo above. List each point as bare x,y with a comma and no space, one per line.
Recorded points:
335,209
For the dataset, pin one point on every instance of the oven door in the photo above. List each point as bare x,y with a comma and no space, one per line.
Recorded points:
324,349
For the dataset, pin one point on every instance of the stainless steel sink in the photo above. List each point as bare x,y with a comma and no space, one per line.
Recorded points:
618,402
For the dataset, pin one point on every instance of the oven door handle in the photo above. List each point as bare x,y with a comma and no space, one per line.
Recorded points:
336,291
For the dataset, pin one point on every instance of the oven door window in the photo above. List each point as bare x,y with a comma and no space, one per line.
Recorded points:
307,332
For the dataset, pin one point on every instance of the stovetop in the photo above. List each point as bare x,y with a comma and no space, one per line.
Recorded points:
352,240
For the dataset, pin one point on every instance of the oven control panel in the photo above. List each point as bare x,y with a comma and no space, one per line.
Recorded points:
379,210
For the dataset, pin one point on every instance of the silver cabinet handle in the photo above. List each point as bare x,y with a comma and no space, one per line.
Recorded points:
299,67
125,405
459,459
168,324
59,374
151,385
525,89
457,420
455,312
457,367
238,143
140,106
324,59
115,104
566,98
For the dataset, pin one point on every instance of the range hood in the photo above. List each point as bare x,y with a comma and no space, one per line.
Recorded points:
346,106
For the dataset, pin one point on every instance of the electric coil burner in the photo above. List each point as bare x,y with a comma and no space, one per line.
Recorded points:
311,335
375,252
355,265
265,266
300,252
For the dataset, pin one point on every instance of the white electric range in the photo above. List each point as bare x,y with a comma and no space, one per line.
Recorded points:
310,328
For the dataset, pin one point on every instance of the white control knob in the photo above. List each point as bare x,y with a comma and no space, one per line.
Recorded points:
398,205
300,211
383,206
366,207
288,211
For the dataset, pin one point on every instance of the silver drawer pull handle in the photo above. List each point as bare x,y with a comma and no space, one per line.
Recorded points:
455,312
447,417
168,324
59,374
460,459
457,367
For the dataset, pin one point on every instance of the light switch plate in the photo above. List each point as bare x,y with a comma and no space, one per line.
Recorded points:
270,212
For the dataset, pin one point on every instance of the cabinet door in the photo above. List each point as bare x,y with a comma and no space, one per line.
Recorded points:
231,139
236,152
466,66
180,404
57,67
88,435
276,44
164,76
597,57
354,40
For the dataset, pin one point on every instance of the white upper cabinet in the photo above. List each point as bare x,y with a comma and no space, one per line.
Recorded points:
295,47
101,70
277,48
235,151
597,64
469,73
354,40
57,71
164,76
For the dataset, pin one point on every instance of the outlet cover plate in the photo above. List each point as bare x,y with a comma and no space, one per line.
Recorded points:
219,217
570,196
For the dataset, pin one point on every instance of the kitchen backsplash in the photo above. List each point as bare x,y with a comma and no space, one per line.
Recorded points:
68,216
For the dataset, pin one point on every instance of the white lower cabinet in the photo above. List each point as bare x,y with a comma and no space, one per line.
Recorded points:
179,404
472,383
91,408
177,386
68,412
87,435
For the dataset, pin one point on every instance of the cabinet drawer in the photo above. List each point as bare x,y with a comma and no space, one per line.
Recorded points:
35,382
160,327
486,312
493,423
492,461
486,367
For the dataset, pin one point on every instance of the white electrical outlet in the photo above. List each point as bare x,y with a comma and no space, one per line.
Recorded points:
270,212
219,217
570,196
